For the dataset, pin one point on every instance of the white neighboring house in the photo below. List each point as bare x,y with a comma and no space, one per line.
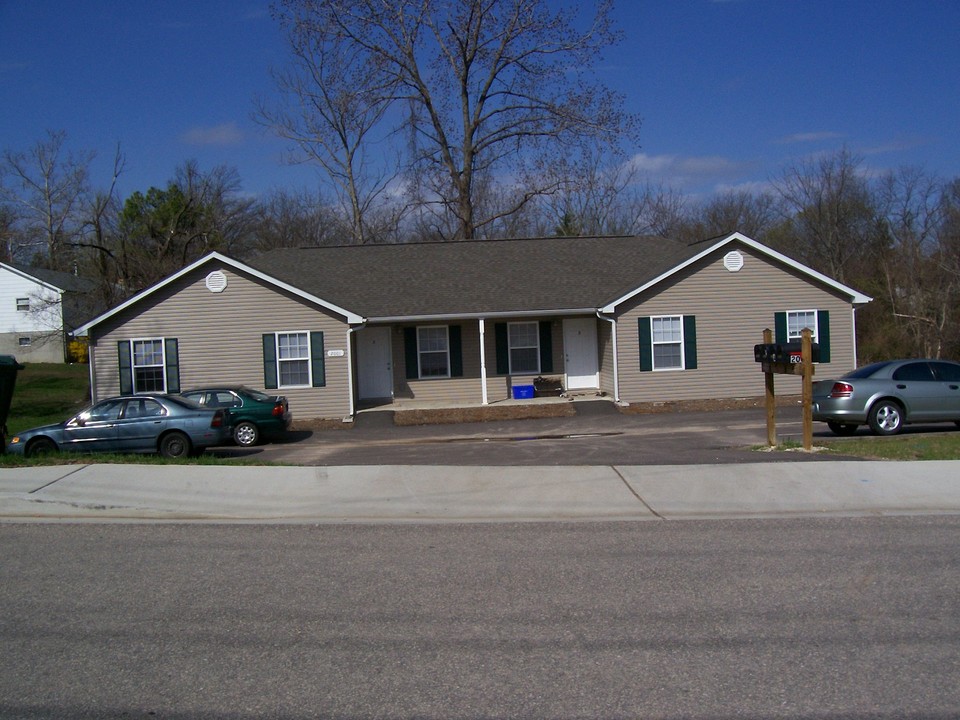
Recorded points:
38,309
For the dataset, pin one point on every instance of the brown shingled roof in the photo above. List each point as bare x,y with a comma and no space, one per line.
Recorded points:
486,276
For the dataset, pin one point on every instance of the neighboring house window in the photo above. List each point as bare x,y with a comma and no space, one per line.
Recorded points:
149,365
524,344
789,324
433,349
293,359
23,341
23,304
668,342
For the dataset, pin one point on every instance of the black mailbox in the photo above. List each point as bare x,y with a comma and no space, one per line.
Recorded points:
789,353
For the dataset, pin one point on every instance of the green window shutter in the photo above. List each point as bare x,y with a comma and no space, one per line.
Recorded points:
410,353
126,371
780,327
546,346
456,351
503,348
269,361
318,367
646,344
690,342
823,334
171,351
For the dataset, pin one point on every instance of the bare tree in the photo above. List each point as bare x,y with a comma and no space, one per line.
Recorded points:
921,291
46,185
828,206
296,219
334,99
490,88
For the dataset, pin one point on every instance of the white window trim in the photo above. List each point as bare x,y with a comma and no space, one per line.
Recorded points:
25,302
134,366
815,328
276,348
510,348
21,343
654,343
446,329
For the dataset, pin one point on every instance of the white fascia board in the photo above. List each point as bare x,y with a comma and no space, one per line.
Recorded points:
32,278
857,298
479,315
351,318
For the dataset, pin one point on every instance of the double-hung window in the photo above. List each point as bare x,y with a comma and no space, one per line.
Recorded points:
148,366
293,359
797,320
433,351
667,336
524,344
23,304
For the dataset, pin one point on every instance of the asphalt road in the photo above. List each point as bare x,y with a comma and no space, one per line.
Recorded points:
597,435
813,618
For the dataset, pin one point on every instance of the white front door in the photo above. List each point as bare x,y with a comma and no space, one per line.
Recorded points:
580,353
374,368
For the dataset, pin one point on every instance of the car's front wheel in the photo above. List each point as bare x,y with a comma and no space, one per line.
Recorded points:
246,434
41,446
175,445
886,417
842,429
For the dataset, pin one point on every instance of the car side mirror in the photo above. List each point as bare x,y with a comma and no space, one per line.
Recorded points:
77,422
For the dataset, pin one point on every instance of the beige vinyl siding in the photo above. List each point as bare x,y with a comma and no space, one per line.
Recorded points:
732,309
220,338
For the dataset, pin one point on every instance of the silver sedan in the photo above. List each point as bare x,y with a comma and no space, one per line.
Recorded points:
887,395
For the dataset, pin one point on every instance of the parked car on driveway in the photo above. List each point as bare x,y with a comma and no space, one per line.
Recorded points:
887,395
165,424
256,415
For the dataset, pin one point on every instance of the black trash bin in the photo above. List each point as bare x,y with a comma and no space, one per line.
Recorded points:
8,378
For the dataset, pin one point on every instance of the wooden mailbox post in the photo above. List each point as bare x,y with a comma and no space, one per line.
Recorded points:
788,359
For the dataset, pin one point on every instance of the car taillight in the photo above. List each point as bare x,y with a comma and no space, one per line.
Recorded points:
278,409
841,390
217,419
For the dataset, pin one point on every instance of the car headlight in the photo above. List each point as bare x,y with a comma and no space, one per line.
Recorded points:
15,439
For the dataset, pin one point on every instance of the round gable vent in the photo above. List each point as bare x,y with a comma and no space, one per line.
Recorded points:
733,261
216,282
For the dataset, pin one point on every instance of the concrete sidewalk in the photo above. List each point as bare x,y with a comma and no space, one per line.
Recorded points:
474,494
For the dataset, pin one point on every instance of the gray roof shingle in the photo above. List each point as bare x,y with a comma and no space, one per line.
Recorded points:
464,278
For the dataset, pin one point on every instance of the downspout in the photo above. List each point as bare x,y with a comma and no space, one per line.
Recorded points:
350,332
483,363
616,360
853,313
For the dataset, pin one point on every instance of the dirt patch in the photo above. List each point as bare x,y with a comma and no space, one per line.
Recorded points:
316,424
707,405
482,414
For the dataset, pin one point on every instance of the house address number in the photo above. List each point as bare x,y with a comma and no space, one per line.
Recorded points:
335,353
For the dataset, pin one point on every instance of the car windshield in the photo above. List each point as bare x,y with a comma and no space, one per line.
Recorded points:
867,370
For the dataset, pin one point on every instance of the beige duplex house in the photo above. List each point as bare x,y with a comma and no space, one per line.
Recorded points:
633,319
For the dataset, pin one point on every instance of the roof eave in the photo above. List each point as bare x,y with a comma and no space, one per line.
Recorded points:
499,314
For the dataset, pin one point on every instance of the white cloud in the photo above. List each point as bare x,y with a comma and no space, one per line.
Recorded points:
692,173
223,134
809,137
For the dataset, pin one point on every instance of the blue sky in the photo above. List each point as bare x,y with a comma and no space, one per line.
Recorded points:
730,91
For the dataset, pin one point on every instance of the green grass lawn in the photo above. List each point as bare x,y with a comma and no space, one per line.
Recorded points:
46,393
935,445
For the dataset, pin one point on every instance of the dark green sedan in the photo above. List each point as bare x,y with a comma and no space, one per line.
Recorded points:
255,415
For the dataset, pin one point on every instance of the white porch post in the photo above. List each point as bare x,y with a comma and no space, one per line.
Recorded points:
483,364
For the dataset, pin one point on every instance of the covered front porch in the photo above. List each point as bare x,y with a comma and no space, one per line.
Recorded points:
482,362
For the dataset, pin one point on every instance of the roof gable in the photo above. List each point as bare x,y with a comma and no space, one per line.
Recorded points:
224,260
